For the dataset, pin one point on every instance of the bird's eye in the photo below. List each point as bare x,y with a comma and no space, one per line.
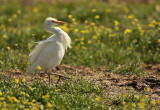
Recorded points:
52,21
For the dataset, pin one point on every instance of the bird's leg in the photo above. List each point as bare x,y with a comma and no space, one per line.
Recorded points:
49,76
59,77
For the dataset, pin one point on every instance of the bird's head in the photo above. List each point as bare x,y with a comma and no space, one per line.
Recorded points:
51,22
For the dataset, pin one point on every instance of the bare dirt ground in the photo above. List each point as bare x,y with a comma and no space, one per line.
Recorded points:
114,84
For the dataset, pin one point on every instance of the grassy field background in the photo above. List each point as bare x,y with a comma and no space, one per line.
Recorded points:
113,35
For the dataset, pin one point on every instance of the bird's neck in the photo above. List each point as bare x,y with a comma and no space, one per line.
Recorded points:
54,30
58,33
61,36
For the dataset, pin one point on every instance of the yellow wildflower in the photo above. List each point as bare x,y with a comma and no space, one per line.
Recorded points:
116,22
124,95
133,23
8,48
45,96
2,98
5,36
73,19
123,102
94,37
97,99
124,88
127,31
92,24
89,41
125,106
15,100
75,39
143,47
33,100
69,16
135,41
131,16
27,95
117,28
158,40
25,101
16,80
149,42
98,41
9,98
126,9
9,20
22,92
1,93
19,11
97,17
128,48
86,21
38,67
136,96
152,24
30,88
133,105
16,45
57,90
119,42
147,89
141,105
102,26
149,51
82,43
75,30
153,102
146,96
14,16
158,101
94,10
35,10
44,36
33,35
135,19
49,105
83,47
142,100
82,38
23,80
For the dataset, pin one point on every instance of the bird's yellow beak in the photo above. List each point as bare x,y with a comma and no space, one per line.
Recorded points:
60,22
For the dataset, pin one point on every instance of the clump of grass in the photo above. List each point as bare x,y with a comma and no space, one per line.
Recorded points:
131,69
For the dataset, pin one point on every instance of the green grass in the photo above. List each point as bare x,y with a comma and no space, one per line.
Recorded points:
125,36
77,94
69,95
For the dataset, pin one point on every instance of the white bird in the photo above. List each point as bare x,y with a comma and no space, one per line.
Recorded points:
49,53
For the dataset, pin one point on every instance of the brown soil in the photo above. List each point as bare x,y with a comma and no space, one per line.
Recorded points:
114,84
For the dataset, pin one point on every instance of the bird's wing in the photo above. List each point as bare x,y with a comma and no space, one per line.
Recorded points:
34,54
67,40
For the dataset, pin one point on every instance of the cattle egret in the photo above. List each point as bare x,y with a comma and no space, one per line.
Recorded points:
49,53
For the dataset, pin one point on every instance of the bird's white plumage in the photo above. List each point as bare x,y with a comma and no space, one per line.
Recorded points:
49,53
